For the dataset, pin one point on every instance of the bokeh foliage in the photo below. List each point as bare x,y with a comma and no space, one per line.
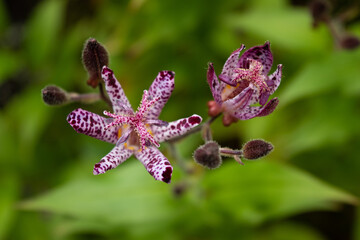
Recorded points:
47,187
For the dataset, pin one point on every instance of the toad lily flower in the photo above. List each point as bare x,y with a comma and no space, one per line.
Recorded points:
244,82
134,133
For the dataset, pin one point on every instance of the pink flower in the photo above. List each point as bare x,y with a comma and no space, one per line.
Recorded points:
244,82
134,133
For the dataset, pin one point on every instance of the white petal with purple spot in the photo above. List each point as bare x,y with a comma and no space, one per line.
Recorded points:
115,92
155,163
114,158
232,62
261,54
214,84
251,112
239,101
161,88
275,79
92,125
175,128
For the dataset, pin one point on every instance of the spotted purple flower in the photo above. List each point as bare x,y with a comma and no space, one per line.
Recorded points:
244,82
134,133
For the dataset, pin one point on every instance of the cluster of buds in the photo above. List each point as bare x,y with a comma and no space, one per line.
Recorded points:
210,154
243,82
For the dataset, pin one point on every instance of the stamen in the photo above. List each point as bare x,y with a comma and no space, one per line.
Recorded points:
137,122
253,75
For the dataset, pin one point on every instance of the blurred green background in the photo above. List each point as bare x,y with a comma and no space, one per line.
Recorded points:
307,188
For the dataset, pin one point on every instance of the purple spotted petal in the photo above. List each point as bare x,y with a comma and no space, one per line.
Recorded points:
114,158
232,62
258,53
175,128
251,112
92,125
269,108
162,87
121,104
263,98
155,163
227,80
274,79
239,101
214,84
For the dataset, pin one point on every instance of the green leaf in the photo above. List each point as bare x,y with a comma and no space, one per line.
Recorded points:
42,32
261,190
289,28
127,195
9,186
10,63
339,70
283,230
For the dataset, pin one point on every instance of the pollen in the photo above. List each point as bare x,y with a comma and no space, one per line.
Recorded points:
119,133
253,75
136,122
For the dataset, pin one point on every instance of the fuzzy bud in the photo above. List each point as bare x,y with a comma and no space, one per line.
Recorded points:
255,149
54,95
350,42
94,57
320,11
208,155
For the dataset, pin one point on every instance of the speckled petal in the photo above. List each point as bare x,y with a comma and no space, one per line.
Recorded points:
115,92
114,158
232,62
214,84
251,112
155,163
92,125
258,53
175,128
239,101
274,79
227,80
162,87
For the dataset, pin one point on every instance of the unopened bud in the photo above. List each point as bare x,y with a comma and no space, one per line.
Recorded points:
350,42
228,119
320,11
94,57
208,155
255,149
54,95
214,108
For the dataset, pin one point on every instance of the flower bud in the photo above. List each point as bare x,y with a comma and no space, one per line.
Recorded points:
54,95
320,11
350,42
255,149
214,108
208,155
94,57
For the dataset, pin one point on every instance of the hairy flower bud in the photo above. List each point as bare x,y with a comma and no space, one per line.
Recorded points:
54,95
208,155
320,11
350,42
255,149
94,57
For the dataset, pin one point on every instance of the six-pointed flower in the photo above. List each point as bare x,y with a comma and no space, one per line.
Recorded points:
134,133
244,82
